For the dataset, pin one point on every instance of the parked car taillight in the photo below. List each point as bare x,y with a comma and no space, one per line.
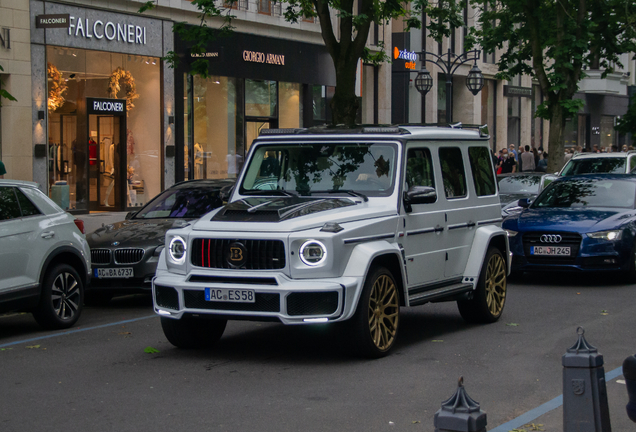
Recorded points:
80,225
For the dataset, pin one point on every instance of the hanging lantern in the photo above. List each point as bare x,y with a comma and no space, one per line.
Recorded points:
474,80
423,81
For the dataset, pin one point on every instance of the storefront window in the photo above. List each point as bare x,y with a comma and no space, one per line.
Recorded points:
260,98
214,102
607,133
107,162
514,120
319,98
570,132
290,113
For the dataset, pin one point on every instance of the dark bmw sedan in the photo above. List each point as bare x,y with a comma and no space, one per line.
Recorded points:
124,254
580,223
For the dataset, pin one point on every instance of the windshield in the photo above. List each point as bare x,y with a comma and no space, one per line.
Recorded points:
181,203
588,193
604,165
305,169
523,184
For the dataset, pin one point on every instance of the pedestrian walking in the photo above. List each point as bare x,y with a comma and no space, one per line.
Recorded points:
3,171
536,157
513,151
543,163
509,165
527,158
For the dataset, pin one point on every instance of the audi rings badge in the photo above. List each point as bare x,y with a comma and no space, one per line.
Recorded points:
551,238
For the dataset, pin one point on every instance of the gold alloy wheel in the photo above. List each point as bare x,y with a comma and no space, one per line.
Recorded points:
496,284
383,312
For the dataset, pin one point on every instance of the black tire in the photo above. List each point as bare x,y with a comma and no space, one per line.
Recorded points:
489,298
374,327
61,298
193,333
97,298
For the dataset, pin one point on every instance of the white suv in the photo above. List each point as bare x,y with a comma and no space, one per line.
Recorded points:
342,226
44,256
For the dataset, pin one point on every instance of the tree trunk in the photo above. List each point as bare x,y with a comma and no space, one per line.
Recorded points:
556,146
345,104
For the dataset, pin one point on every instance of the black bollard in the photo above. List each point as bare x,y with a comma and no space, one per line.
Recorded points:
585,407
629,372
460,413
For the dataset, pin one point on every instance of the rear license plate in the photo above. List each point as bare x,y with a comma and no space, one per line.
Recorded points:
107,273
550,250
230,295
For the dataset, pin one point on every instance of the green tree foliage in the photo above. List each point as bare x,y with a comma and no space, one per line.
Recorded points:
555,42
3,93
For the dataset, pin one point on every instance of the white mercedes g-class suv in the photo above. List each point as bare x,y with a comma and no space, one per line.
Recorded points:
332,225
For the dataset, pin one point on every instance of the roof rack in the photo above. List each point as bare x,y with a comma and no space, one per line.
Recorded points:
483,129
372,129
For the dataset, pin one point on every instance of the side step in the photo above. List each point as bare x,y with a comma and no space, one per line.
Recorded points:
438,293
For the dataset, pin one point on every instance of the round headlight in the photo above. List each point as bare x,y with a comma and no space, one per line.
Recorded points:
313,252
177,249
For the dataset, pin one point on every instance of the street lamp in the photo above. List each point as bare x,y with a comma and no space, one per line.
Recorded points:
449,65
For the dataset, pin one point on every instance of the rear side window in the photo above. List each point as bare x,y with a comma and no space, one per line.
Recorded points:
9,207
453,174
483,176
27,207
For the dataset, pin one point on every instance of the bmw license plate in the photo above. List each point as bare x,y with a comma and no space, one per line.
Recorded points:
108,273
230,295
550,250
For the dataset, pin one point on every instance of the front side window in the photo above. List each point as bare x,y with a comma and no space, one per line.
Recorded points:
419,168
480,165
306,169
453,173
9,207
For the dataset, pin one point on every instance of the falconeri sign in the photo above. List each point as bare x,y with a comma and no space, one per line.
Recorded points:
130,33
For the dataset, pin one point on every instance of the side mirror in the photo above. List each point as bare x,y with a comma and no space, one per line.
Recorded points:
419,195
130,215
523,203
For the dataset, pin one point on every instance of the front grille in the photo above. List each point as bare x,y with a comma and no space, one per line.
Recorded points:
166,297
100,256
260,254
572,240
316,303
265,302
128,256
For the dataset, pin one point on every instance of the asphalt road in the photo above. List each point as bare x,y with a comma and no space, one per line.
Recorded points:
269,377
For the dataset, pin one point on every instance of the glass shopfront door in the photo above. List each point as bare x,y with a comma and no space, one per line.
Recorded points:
107,173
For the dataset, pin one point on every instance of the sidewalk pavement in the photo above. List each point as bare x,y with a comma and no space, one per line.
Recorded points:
93,221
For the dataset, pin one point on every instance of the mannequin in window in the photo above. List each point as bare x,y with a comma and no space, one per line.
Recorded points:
198,161
111,163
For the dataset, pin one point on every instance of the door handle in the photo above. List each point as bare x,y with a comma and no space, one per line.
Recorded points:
47,234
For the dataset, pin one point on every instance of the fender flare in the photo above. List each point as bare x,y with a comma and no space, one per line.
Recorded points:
58,251
484,236
359,266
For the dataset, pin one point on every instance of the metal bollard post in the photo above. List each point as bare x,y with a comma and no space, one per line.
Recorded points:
629,372
585,407
460,413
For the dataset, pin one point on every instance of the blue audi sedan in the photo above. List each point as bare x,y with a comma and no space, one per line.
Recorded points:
580,223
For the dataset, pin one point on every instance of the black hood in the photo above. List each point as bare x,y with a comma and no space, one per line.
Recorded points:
133,233
268,209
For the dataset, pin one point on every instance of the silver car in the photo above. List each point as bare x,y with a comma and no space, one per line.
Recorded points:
342,226
44,256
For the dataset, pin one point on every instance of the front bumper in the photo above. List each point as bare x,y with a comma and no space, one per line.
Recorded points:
277,297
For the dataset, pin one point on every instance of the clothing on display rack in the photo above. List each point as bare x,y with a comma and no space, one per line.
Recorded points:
198,161
130,143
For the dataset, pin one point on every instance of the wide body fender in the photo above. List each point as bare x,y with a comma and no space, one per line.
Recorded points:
484,237
359,266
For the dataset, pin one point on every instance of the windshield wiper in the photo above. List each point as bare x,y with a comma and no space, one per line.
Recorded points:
350,192
270,192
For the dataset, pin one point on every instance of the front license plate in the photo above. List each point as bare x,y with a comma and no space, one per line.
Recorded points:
107,273
550,250
230,295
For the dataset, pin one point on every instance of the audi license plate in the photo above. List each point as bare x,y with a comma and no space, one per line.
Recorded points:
106,273
550,250
230,295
